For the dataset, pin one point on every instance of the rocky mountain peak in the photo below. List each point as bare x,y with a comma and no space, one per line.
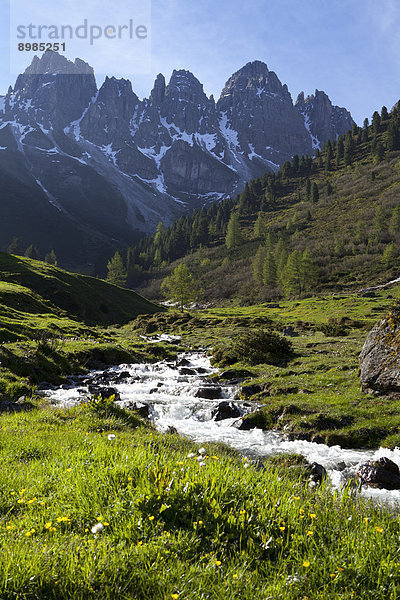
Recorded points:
254,79
184,85
53,63
158,92
323,120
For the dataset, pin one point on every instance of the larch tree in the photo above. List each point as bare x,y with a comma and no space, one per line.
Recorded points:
233,234
116,271
180,287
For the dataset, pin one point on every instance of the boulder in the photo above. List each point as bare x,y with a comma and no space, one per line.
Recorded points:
209,392
187,371
317,472
225,410
246,391
380,357
382,473
104,392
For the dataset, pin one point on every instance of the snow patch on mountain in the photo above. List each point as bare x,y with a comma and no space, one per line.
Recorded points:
316,144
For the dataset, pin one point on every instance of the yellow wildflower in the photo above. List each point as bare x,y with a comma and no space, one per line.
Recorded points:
306,563
218,563
379,529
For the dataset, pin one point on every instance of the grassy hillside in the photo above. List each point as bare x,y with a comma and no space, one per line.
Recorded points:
343,209
54,323
36,298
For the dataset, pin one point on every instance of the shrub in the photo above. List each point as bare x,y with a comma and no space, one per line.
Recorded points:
254,347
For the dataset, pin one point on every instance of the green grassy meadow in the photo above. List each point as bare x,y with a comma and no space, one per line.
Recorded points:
95,503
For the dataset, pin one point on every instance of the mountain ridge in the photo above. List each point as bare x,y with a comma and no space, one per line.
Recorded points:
159,157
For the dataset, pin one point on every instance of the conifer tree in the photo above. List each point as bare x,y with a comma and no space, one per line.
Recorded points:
269,270
389,256
339,150
233,234
260,227
116,271
258,265
393,136
15,247
314,192
376,122
394,223
51,258
180,287
32,252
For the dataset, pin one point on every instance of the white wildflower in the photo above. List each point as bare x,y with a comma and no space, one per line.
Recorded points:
97,528
111,437
191,455
202,450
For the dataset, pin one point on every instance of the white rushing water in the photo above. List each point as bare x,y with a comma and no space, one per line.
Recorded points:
172,390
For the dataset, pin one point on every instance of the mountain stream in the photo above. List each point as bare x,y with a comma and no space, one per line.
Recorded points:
176,392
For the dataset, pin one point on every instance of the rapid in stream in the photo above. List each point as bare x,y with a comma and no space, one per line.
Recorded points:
175,393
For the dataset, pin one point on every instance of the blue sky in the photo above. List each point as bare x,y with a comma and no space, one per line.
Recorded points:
348,48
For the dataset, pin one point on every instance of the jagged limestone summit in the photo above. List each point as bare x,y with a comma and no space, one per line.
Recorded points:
90,169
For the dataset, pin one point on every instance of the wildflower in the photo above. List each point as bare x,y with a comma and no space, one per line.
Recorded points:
32,500
22,491
234,576
48,525
313,515
105,524
21,500
202,451
200,523
282,528
306,563
42,503
129,478
379,529
218,563
151,518
111,437
97,528
333,575
310,533
180,463
202,464
296,497
68,470
174,596
191,455
9,527
215,457
366,520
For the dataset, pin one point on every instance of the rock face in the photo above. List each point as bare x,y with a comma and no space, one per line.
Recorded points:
382,473
380,357
104,166
323,120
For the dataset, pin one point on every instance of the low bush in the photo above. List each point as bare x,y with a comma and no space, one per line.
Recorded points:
255,347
